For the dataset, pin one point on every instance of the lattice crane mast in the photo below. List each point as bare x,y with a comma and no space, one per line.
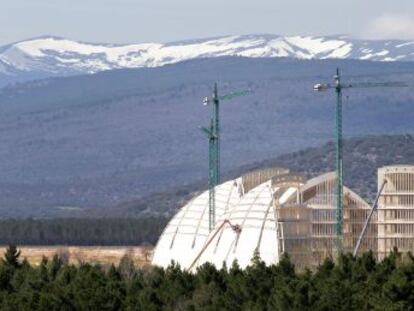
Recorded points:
213,134
338,86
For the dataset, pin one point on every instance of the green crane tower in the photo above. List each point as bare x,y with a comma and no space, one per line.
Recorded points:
338,87
213,135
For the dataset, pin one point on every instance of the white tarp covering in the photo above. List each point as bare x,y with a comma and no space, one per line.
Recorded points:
187,231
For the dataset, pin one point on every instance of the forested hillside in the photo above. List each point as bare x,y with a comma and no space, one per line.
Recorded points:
350,284
97,141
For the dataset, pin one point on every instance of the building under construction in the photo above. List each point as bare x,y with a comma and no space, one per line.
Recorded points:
395,219
272,211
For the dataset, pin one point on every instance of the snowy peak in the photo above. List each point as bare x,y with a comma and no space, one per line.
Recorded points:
59,56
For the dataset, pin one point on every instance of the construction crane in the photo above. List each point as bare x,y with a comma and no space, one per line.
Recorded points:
213,134
338,86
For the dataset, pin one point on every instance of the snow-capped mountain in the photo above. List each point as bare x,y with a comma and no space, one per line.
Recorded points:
53,56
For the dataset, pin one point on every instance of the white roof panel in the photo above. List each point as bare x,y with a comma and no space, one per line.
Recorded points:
256,217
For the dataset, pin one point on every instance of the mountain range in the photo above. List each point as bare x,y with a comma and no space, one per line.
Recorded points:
50,56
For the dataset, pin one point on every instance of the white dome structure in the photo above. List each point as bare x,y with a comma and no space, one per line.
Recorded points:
255,215
268,213
186,233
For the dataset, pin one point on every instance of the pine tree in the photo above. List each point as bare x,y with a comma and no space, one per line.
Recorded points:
11,257
127,266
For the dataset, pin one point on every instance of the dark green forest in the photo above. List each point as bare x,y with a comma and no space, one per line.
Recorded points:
75,231
347,284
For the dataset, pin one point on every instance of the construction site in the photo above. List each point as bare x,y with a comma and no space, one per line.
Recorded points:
273,211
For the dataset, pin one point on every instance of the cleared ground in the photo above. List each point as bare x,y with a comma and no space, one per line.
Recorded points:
104,255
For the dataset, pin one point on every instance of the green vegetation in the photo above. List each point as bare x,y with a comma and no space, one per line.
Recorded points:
350,284
81,231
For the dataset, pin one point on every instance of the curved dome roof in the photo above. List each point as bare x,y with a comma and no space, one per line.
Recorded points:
321,191
256,217
187,231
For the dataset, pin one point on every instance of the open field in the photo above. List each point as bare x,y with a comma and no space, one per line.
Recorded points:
104,255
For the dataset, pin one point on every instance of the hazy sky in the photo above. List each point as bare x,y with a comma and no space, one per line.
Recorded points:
123,21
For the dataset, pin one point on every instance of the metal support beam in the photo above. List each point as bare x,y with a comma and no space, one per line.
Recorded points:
373,208
339,163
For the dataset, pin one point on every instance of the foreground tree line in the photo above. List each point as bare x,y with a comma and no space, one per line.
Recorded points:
350,284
